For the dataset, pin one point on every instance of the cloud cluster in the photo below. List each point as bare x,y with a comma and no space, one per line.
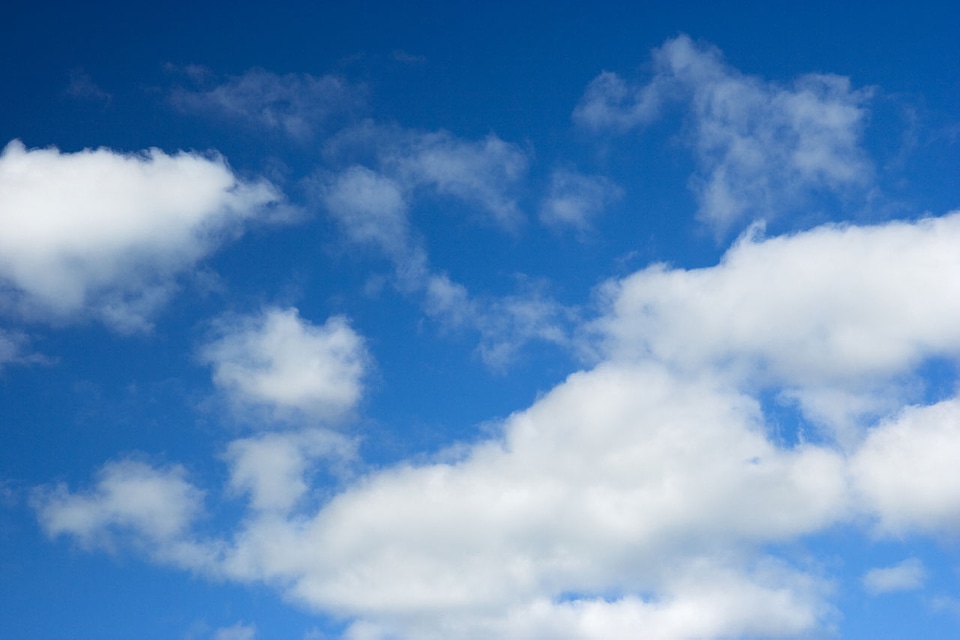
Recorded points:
104,234
641,492
763,149
372,208
649,492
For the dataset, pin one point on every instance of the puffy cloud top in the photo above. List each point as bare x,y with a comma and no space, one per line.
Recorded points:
104,233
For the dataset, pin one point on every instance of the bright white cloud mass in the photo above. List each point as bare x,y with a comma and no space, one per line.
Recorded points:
105,233
480,386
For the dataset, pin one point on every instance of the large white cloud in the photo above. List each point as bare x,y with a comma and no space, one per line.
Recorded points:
610,483
104,234
287,366
763,149
645,491
834,316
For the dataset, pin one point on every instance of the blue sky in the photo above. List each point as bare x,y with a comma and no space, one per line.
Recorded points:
550,320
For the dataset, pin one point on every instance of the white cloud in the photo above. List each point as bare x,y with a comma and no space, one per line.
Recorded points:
238,631
371,209
837,316
273,467
906,471
763,149
296,105
482,173
909,575
574,199
130,497
289,367
14,349
645,491
609,483
105,234
610,103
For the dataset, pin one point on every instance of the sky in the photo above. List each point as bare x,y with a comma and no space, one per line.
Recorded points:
431,320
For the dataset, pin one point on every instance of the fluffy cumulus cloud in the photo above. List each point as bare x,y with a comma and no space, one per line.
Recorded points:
763,149
290,368
130,500
835,316
272,468
295,105
104,234
623,480
905,471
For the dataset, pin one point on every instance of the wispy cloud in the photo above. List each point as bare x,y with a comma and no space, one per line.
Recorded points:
763,149
82,86
574,199
294,105
909,575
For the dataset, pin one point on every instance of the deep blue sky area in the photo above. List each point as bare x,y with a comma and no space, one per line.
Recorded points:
419,320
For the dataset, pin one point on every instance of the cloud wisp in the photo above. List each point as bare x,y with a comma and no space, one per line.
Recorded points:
372,208
297,106
763,149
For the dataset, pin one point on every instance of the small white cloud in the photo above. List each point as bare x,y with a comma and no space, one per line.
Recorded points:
83,87
370,208
297,105
909,575
15,349
130,497
105,234
482,172
289,367
574,199
609,103
273,467
238,631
